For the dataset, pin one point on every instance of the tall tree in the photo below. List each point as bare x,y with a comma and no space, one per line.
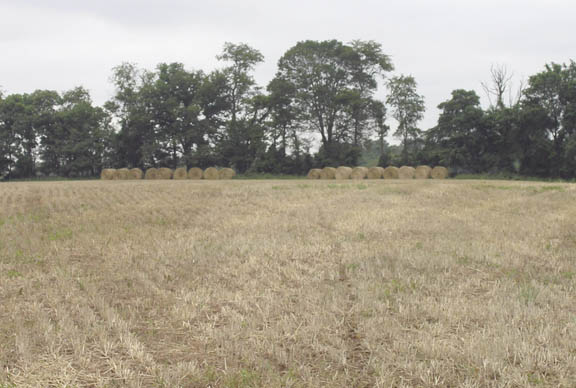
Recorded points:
333,84
407,109
242,141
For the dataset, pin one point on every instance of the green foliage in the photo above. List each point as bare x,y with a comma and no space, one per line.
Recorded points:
407,109
323,92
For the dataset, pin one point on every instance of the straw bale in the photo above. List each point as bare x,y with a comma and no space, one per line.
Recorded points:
122,174
406,172
108,174
226,173
195,173
180,173
135,173
343,172
314,173
422,172
390,172
211,173
151,173
359,173
439,172
328,173
375,173
164,173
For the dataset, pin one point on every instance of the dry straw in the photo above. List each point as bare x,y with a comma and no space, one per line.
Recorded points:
328,173
391,172
343,172
135,173
359,173
195,173
406,172
108,174
314,173
164,173
375,173
211,173
439,172
151,173
226,173
180,173
122,174
422,172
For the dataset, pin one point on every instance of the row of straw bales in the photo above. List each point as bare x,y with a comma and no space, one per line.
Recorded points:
167,173
391,172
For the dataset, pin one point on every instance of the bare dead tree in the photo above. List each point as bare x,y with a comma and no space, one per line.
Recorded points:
499,84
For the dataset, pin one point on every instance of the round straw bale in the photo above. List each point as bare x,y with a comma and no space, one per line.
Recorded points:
226,173
343,172
359,173
122,174
151,173
375,173
135,173
211,173
406,172
439,172
422,172
164,173
180,173
108,174
390,172
328,173
195,173
314,173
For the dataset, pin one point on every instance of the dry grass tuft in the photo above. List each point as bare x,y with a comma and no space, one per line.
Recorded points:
328,173
226,173
314,173
406,172
135,173
359,173
343,172
422,172
391,172
211,173
195,173
108,174
151,173
439,172
375,173
180,173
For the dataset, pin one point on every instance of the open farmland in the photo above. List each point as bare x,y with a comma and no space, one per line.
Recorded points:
287,284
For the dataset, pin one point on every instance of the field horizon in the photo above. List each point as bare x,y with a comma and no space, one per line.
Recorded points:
287,283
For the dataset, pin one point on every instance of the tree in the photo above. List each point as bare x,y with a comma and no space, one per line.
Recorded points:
136,141
333,84
457,139
174,103
243,140
407,109
551,95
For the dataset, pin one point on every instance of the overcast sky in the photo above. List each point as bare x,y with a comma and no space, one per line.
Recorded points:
445,45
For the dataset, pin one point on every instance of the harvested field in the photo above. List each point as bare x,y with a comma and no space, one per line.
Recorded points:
377,283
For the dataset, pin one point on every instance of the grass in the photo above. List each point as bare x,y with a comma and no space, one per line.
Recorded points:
287,284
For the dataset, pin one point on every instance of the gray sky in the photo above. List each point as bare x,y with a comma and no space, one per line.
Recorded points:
445,45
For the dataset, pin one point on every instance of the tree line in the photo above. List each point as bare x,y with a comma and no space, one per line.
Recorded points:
320,109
